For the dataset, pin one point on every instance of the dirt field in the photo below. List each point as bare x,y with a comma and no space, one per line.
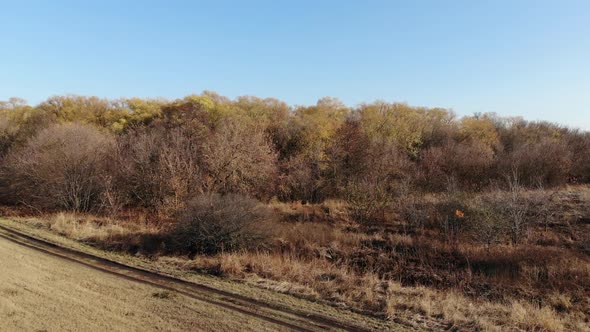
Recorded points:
43,293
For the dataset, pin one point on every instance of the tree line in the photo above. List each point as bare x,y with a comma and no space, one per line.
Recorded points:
93,154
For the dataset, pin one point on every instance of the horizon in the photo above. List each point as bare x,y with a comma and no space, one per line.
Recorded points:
294,106
525,58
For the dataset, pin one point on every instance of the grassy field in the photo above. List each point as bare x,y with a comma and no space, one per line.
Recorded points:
381,274
42,293
198,316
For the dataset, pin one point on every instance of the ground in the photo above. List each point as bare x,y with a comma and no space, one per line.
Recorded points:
39,292
51,283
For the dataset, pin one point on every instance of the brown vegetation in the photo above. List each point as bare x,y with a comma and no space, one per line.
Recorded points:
212,224
388,209
65,166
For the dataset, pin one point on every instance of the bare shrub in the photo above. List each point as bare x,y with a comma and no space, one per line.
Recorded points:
348,156
415,214
488,217
386,175
451,215
545,162
486,221
516,208
367,200
65,166
160,168
299,179
240,159
579,144
214,223
435,173
470,164
544,207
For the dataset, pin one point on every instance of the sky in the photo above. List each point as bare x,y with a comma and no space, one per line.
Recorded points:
515,58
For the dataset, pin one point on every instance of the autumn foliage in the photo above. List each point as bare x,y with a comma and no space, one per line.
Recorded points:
342,201
159,154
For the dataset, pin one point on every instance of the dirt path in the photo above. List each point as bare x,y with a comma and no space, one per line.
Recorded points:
39,292
46,287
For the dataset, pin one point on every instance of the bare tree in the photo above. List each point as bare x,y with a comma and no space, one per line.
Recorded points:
65,166
160,168
516,208
240,159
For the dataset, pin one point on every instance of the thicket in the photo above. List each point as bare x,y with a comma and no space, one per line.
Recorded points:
92,154
410,194
65,166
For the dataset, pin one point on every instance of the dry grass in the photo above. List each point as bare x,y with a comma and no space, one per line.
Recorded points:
396,271
85,226
427,307
179,267
43,293
137,235
315,278
471,313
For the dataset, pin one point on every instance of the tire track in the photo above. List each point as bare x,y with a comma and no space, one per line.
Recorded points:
287,318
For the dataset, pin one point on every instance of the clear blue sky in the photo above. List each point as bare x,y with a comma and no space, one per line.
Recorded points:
528,58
